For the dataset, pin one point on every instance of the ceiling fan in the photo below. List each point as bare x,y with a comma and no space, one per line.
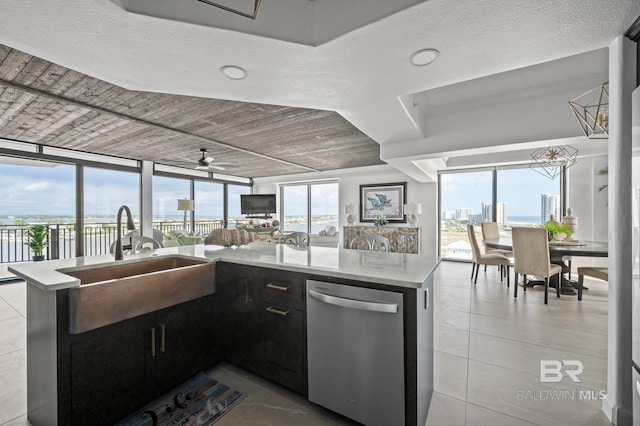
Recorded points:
206,163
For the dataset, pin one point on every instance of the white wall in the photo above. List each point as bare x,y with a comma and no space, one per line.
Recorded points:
589,205
349,183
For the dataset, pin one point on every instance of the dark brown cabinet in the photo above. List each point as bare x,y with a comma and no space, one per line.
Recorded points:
265,310
284,346
284,325
108,370
118,368
240,301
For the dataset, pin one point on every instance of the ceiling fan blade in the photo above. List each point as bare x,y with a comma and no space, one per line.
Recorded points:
226,164
207,159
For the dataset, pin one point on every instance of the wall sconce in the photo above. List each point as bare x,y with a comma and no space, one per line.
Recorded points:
592,111
549,161
412,210
186,206
350,210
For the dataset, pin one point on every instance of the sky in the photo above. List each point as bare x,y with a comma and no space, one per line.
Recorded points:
29,190
37,190
519,188
324,199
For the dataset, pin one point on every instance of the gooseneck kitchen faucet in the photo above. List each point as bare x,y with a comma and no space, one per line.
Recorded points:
130,226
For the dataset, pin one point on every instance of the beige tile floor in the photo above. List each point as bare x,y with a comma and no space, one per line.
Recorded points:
488,348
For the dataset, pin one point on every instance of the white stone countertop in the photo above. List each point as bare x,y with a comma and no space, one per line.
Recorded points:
397,269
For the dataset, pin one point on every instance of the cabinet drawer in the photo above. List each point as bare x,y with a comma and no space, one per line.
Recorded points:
283,289
284,346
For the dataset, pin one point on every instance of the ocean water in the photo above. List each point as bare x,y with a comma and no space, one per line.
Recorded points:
524,219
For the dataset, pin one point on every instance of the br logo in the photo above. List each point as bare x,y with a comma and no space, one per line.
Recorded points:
553,370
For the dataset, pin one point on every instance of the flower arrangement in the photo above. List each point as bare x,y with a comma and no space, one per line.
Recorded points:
380,220
556,231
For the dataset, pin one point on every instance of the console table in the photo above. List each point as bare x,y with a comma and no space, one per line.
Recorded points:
402,239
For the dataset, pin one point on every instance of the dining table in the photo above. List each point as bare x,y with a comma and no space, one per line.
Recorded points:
558,251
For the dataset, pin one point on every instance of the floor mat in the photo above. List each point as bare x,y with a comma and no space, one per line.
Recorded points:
199,401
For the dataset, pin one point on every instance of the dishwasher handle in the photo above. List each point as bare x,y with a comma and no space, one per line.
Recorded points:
389,308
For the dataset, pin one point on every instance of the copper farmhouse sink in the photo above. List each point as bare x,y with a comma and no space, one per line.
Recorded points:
110,293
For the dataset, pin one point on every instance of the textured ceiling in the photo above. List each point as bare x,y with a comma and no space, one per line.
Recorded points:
364,74
45,103
308,22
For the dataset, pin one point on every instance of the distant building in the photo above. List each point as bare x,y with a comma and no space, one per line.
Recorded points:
549,205
501,214
448,215
487,212
463,214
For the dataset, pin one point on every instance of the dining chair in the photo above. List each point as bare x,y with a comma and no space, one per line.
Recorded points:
531,257
490,231
599,273
298,239
371,242
485,259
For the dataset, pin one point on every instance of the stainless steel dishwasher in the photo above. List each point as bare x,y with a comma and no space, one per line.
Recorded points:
355,350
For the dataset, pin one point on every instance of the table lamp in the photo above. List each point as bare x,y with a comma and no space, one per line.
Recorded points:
350,210
186,206
412,210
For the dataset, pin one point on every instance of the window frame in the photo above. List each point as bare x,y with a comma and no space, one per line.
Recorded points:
308,185
494,196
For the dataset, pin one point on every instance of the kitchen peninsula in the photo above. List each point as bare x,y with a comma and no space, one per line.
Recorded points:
258,291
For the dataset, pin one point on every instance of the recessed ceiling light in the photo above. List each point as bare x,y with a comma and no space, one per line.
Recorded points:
423,57
234,72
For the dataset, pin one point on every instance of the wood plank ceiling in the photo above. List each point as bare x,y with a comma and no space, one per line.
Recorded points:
45,103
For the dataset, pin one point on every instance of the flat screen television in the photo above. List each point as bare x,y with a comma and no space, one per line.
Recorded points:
257,204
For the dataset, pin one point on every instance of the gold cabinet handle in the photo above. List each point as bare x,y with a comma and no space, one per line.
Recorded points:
162,338
277,311
277,287
153,341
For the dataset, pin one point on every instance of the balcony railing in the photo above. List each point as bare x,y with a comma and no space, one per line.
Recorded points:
97,237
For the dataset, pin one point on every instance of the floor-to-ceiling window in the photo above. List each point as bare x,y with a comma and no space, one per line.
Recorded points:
324,206
526,197
510,196
105,190
209,206
36,192
309,207
52,185
233,203
465,198
166,193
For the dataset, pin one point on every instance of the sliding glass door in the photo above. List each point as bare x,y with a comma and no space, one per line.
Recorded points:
465,198
105,191
309,207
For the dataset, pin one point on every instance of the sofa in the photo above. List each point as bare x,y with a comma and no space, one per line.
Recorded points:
328,237
180,238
